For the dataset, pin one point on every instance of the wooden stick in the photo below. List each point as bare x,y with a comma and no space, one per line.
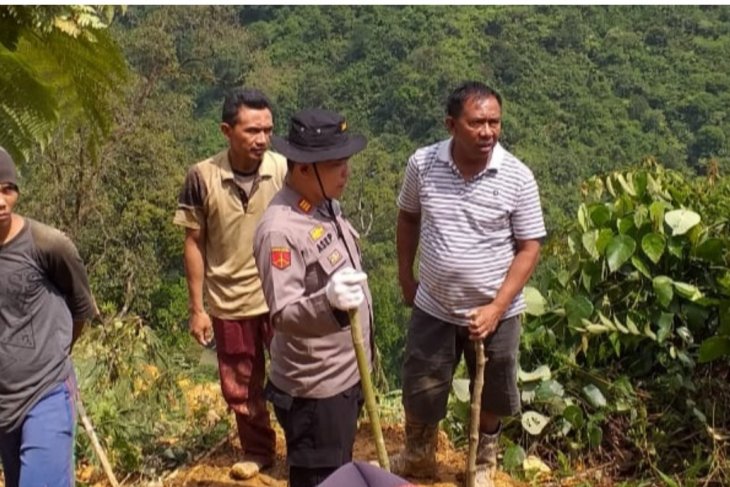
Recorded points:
95,443
476,410
367,388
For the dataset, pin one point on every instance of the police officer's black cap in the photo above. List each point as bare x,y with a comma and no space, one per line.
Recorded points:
8,174
317,135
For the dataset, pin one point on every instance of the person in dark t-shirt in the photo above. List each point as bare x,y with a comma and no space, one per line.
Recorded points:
44,302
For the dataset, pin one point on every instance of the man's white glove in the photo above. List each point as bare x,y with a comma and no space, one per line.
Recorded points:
344,289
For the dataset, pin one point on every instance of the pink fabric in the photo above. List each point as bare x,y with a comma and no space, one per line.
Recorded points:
240,346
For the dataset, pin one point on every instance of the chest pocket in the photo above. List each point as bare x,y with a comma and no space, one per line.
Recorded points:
318,273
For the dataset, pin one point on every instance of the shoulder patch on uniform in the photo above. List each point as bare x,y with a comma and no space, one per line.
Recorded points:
304,205
316,233
334,257
280,257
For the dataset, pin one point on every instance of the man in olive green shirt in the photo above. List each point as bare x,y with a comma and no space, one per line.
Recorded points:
220,204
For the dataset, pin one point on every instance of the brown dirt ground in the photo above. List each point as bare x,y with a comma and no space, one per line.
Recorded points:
214,470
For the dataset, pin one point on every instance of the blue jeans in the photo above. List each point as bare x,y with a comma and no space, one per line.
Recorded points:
40,452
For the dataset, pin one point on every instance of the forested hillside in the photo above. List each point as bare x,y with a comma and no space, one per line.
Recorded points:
587,91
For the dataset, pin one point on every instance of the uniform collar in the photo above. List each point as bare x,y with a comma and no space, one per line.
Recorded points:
266,169
495,159
295,200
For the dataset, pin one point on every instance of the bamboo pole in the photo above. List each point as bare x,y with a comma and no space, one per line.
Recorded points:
476,409
367,388
95,443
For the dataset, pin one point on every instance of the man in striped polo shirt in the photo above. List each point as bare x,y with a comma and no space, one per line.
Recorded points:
475,210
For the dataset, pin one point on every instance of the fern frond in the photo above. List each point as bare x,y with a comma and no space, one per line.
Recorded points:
28,106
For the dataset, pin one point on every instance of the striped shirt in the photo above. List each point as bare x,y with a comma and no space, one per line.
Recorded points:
468,228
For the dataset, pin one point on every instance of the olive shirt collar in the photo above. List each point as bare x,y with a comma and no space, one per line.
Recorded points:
267,168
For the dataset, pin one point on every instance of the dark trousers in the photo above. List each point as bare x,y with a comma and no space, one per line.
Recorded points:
433,351
319,433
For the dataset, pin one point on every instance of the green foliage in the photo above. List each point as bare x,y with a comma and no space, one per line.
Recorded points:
55,60
640,283
142,399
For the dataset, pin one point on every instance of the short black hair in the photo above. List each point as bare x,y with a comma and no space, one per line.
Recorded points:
241,97
465,91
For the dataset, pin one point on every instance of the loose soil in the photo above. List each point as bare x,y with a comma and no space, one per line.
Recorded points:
214,470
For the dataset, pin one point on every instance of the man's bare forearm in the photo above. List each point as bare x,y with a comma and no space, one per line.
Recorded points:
194,259
407,235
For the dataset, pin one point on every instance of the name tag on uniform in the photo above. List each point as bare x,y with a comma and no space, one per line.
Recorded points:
324,243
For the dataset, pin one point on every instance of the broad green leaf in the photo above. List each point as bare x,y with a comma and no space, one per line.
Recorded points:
623,206
640,266
589,243
656,211
625,225
604,237
680,221
590,275
542,372
595,435
675,246
600,214
563,277
663,290
653,246
609,186
639,181
711,250
514,455
632,326
641,216
688,291
571,245
685,335
628,188
594,328
594,396
620,327
535,302
534,422
549,389
665,324
461,390
619,250
582,217
714,348
604,320
574,415
578,308
649,332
